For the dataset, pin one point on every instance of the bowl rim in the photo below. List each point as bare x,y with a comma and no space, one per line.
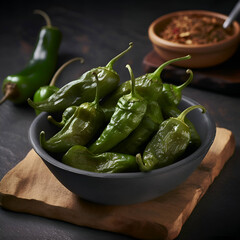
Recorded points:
201,150
156,39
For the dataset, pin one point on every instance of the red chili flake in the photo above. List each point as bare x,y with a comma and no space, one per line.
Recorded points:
175,30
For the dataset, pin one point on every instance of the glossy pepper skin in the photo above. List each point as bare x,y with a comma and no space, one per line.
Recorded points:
128,114
149,86
39,70
83,89
172,94
168,144
195,140
80,157
65,116
169,101
46,91
80,128
149,125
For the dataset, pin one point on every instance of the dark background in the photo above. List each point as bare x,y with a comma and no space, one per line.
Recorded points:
98,31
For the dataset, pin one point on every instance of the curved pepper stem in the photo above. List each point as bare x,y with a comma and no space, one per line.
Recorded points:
45,16
185,84
68,112
183,114
10,90
158,71
140,163
56,75
133,89
110,64
56,123
145,167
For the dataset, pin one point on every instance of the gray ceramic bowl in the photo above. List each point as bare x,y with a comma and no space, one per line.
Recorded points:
126,188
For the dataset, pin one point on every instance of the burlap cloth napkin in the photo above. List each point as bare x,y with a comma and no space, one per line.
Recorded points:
31,188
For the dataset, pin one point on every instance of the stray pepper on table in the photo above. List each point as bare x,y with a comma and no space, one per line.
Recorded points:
80,157
46,91
79,129
128,114
39,70
168,144
83,89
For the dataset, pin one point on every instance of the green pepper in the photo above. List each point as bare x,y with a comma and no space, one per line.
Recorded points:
172,94
128,114
46,91
148,86
80,157
83,89
168,144
169,101
80,128
195,140
149,125
65,116
39,70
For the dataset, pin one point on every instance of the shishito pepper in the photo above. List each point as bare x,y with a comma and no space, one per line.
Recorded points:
128,114
169,100
148,86
149,125
83,89
46,91
80,128
80,157
172,94
195,140
39,70
168,144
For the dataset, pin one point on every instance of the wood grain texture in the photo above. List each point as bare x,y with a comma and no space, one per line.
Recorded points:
31,188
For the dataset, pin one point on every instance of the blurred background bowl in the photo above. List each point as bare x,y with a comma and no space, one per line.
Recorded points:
125,188
203,55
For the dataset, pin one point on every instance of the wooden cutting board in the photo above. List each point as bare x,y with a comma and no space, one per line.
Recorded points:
31,188
223,78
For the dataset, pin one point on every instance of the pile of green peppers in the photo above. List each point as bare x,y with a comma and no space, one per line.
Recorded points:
108,127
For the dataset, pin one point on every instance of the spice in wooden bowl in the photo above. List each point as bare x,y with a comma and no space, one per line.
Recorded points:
195,29
197,33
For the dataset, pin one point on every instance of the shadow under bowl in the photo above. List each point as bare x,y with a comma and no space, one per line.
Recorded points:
126,188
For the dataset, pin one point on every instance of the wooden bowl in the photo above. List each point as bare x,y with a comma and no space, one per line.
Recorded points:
202,55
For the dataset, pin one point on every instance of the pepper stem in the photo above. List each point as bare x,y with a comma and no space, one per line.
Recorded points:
140,163
96,100
158,71
4,98
183,114
10,90
42,138
45,16
133,91
52,120
185,84
110,64
56,75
